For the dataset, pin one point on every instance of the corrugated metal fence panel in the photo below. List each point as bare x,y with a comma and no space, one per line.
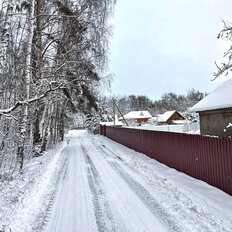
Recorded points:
203,157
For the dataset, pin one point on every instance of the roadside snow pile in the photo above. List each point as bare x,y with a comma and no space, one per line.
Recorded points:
199,199
25,200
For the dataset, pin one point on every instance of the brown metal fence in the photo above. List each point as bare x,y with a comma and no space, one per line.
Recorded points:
202,157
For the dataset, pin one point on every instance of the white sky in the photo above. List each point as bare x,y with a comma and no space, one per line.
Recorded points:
166,45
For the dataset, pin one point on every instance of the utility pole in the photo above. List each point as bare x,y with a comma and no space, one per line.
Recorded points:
114,110
121,113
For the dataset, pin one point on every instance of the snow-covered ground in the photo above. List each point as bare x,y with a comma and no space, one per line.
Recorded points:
189,128
94,184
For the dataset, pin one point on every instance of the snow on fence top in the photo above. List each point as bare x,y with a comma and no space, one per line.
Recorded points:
219,98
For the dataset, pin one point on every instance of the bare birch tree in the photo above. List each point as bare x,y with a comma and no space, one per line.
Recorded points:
26,86
56,55
5,30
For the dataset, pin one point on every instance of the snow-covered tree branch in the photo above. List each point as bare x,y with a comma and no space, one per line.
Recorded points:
53,55
225,67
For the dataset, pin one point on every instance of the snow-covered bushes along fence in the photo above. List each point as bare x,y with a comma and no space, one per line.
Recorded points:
202,157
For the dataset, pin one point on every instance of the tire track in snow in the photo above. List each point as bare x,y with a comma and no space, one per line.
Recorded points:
144,195
146,198
191,214
103,215
43,218
35,207
73,208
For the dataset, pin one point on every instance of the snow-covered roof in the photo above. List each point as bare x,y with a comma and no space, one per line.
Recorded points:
137,114
219,98
164,117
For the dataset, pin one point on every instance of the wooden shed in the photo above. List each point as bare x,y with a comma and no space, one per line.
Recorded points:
170,117
215,111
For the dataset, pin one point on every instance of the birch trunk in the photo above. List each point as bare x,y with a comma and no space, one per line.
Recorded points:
26,80
46,136
44,128
5,33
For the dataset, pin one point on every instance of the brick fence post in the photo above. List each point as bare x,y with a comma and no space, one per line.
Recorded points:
104,130
101,132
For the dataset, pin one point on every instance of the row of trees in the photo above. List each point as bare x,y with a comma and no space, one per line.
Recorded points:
53,56
168,101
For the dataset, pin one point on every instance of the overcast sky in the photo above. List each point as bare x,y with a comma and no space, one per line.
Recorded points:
163,46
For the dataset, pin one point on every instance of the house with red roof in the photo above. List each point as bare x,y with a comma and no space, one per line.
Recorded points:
137,117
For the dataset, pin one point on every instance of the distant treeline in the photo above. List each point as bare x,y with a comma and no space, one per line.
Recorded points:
168,101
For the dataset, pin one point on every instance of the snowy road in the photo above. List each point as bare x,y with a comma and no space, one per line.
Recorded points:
104,189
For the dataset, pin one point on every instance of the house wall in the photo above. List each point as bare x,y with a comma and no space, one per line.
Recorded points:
141,120
214,122
135,120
